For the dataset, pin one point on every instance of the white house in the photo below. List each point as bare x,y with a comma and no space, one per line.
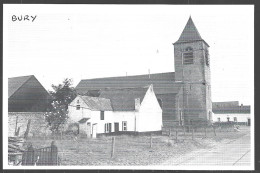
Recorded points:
231,112
117,110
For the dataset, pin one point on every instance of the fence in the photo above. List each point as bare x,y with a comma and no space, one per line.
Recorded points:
42,156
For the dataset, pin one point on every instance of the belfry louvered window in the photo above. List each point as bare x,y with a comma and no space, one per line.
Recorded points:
207,57
188,56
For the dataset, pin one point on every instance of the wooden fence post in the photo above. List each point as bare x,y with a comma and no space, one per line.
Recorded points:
151,141
184,130
205,132
27,129
192,134
170,132
54,154
177,136
113,147
15,130
214,129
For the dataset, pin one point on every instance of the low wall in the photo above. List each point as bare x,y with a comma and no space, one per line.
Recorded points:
38,126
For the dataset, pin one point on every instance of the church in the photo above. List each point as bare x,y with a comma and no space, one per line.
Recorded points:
184,95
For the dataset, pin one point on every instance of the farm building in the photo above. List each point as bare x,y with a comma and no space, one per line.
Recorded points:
26,94
231,112
184,95
117,110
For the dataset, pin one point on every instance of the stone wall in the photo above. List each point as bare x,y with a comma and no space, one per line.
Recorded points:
38,125
197,87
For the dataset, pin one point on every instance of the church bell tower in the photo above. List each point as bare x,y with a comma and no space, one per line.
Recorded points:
192,71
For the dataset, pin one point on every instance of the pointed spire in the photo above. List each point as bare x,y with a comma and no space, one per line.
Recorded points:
190,33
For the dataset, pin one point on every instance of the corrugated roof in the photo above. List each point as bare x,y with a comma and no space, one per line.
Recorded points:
15,83
162,83
98,104
124,99
190,33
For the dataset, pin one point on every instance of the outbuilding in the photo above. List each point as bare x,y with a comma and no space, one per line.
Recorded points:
231,112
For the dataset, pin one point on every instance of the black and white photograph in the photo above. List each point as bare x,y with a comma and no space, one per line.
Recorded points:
120,86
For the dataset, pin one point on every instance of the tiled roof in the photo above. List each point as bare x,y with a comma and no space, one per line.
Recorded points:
15,83
98,104
162,83
229,108
124,99
190,33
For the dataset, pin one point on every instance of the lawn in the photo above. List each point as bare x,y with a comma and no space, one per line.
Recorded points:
133,150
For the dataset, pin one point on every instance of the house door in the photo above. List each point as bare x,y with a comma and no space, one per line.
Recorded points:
248,121
88,130
94,130
116,127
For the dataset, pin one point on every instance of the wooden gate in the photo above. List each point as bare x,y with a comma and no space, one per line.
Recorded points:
42,156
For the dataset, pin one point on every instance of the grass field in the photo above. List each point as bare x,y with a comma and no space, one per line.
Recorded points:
133,150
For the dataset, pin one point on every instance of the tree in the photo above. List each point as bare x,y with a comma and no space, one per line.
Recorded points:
62,95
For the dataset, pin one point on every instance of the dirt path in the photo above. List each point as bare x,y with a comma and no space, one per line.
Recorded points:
235,152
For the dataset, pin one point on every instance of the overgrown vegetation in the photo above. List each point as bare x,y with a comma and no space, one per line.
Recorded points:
62,95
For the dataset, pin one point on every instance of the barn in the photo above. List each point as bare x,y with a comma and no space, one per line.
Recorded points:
26,94
117,111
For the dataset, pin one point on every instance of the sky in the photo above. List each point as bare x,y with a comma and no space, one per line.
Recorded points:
93,41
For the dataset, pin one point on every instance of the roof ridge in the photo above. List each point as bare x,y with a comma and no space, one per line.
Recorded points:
128,88
20,76
126,76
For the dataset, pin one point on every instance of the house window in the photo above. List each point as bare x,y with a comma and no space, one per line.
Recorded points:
124,126
235,119
188,56
218,119
77,101
108,127
78,107
207,57
228,119
102,115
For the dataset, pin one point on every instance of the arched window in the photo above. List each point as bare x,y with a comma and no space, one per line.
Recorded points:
188,56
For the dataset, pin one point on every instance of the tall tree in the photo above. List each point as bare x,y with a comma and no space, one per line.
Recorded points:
62,95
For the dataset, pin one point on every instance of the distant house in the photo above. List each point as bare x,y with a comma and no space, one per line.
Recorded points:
26,94
117,110
231,112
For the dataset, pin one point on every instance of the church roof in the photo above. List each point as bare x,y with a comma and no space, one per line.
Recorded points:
162,83
190,33
124,99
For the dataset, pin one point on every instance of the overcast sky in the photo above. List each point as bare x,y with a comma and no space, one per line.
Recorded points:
93,41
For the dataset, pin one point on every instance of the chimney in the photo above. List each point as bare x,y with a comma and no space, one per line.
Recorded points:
137,104
149,73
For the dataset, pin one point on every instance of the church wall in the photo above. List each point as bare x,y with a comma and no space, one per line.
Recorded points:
168,107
